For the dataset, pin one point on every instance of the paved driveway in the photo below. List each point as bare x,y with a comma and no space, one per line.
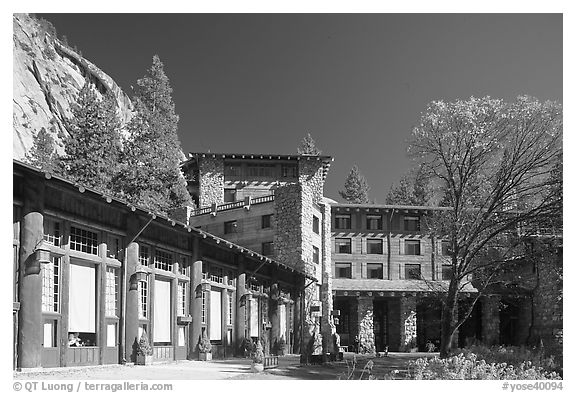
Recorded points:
236,368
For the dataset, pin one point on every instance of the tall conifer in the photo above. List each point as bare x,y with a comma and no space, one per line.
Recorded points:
43,153
356,187
93,145
150,175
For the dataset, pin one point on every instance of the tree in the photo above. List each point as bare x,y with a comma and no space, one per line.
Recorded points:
150,174
43,153
356,187
308,146
93,145
413,189
493,162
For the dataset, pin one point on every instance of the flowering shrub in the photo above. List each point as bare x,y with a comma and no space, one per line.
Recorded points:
468,366
514,356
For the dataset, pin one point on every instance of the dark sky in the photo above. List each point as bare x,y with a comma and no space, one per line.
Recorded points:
257,83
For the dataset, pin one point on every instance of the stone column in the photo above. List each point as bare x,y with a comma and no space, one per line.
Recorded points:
366,325
297,327
274,313
328,328
241,306
30,337
195,299
490,319
130,291
408,328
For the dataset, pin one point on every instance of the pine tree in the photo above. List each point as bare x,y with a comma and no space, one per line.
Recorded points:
150,175
43,153
356,187
413,189
93,145
308,146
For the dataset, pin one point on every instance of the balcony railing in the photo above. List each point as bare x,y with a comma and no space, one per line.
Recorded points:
246,202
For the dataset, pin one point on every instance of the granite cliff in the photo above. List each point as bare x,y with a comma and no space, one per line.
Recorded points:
47,76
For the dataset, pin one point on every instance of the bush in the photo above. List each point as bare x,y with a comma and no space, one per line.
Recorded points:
468,366
204,344
144,348
258,354
514,356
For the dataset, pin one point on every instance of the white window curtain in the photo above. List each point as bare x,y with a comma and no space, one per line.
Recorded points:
215,315
111,336
254,325
82,299
161,311
282,312
49,335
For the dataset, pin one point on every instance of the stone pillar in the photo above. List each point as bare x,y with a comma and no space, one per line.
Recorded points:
297,328
241,306
408,327
274,313
195,300
328,328
366,325
30,338
490,319
130,291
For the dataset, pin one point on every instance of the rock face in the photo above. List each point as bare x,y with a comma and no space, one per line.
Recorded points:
47,78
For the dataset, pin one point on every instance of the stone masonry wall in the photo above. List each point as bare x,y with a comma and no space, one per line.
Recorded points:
366,325
408,326
328,328
288,217
211,181
548,297
490,320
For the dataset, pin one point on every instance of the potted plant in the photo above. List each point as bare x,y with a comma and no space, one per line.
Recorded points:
204,347
143,351
258,359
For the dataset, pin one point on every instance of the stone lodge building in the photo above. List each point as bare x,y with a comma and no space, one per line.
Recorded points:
93,269
265,255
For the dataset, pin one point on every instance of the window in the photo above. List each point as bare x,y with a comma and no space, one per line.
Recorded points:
315,254
374,246
163,260
412,272
316,224
230,226
447,272
143,299
113,247
144,256
230,307
412,247
343,270
232,170
344,246
260,170
216,274
203,306
52,232
182,266
342,221
83,240
374,222
229,195
374,270
290,170
412,224
446,249
268,248
51,285
231,277
112,284
181,296
267,221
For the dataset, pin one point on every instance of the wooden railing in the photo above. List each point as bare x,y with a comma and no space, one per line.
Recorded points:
246,202
270,361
